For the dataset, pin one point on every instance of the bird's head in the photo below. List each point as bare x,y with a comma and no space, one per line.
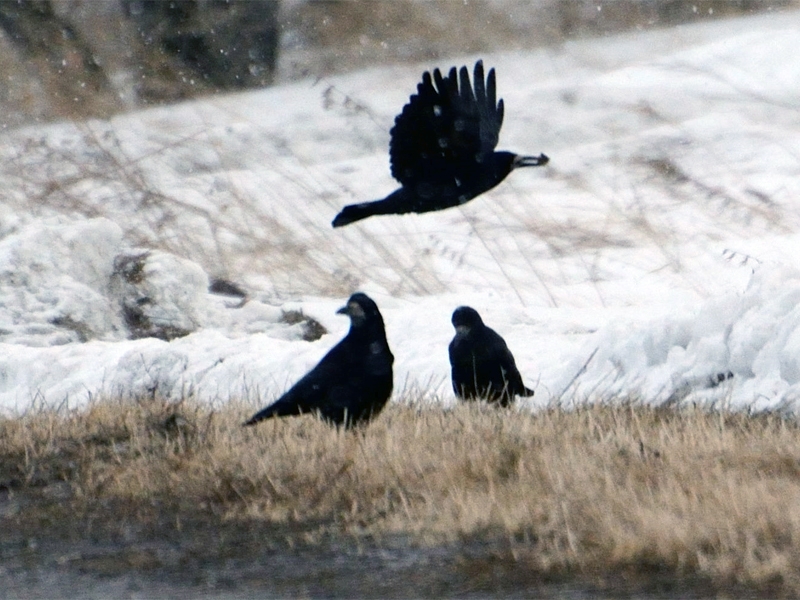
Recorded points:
465,318
361,309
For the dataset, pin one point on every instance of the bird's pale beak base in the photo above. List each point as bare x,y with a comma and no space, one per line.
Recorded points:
530,161
352,309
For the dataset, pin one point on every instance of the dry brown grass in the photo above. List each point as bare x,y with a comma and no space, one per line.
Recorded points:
594,491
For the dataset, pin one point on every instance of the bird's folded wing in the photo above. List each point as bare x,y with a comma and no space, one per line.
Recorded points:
312,390
510,372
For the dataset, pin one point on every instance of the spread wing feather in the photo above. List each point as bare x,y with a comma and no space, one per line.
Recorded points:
446,125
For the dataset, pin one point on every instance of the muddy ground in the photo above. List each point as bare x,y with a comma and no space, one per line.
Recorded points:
49,550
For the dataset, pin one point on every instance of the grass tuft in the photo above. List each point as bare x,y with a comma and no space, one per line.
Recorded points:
595,490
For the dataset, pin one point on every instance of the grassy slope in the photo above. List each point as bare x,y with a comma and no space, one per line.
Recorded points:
687,495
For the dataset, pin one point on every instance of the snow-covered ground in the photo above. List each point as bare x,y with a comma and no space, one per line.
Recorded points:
654,255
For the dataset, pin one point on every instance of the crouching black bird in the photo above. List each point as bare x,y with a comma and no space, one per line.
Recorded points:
352,382
482,365
442,147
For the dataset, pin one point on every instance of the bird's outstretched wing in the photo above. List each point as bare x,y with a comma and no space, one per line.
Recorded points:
446,125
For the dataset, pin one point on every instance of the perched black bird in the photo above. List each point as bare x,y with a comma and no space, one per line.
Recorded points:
352,382
442,147
482,365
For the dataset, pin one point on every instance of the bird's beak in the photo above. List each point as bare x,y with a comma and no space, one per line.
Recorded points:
530,161
352,310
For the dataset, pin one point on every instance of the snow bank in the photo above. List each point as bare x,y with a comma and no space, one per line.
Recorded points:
653,257
54,280
739,350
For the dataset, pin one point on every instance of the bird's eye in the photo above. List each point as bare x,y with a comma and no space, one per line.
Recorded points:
443,143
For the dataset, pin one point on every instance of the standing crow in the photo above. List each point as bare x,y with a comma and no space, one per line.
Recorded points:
482,365
442,147
352,382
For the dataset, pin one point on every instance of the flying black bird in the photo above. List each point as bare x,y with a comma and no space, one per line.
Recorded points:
482,365
442,147
352,382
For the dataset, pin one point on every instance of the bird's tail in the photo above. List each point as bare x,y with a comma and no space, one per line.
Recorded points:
354,212
527,393
395,203
279,409
267,413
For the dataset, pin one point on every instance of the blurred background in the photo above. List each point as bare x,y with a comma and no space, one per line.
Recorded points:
74,59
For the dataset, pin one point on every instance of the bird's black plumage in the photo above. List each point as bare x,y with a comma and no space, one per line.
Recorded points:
352,382
442,147
482,365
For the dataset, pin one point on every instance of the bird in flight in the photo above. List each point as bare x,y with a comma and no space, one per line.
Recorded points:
352,382
482,365
442,147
